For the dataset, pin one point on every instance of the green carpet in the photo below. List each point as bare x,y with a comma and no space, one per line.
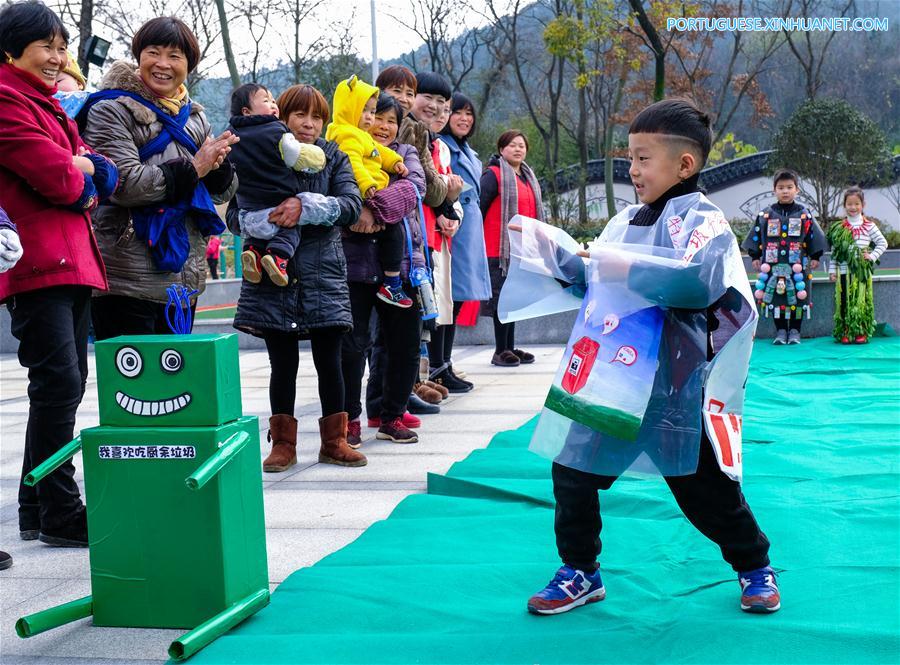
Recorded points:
445,579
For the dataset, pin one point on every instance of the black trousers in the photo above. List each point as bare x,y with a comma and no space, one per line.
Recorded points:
504,335
784,324
123,315
284,360
710,500
213,268
52,328
377,358
401,330
440,348
390,247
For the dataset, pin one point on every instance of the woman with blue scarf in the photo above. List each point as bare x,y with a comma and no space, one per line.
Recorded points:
153,231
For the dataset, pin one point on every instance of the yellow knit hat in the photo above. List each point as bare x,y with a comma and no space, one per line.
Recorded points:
73,70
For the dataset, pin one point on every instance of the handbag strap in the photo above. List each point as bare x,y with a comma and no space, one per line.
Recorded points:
424,232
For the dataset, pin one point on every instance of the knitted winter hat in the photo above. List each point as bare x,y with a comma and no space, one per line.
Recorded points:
73,70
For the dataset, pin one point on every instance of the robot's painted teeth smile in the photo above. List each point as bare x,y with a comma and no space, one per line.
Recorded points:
161,407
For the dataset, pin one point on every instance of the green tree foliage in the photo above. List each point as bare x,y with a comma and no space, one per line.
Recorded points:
832,145
728,148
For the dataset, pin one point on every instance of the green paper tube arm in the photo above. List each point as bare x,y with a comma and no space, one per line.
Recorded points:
204,473
208,631
53,462
54,617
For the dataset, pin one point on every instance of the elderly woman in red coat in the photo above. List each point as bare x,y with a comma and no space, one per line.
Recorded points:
49,183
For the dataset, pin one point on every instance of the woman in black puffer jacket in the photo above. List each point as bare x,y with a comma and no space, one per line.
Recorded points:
315,305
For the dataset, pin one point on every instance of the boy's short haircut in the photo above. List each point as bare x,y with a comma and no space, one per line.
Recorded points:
678,118
240,98
388,103
24,22
854,191
302,97
432,83
167,31
785,174
395,76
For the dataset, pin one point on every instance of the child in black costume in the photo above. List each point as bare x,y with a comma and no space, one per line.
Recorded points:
785,243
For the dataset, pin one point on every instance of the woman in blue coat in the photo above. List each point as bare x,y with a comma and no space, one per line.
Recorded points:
471,280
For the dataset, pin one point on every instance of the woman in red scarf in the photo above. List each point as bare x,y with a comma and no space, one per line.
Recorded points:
508,188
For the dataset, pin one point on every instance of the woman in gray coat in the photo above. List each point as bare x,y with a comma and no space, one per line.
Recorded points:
133,123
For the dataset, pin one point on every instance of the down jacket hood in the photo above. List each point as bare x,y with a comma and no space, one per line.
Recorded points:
350,99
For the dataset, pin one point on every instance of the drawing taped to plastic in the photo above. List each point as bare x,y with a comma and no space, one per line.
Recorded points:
604,350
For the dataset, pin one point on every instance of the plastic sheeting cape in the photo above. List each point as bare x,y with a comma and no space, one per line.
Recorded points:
635,386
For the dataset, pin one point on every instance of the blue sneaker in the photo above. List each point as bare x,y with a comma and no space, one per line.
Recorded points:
569,588
759,592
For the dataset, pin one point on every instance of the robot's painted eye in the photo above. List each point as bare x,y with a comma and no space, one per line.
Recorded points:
129,361
171,361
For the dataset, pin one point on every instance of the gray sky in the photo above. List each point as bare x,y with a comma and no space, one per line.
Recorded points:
393,38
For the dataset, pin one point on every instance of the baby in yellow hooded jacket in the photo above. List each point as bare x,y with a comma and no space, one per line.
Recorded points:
353,113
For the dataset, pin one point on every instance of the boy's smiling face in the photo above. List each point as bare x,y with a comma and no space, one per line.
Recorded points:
657,164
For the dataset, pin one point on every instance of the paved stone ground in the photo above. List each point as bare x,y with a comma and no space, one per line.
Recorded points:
312,510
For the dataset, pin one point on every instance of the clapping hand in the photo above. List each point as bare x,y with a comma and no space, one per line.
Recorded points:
213,152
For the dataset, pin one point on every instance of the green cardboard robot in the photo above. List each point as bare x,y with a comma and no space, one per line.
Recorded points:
174,494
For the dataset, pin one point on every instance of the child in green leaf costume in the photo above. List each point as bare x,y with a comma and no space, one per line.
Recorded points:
853,259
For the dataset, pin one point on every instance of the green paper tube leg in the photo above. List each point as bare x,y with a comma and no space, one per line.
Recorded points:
53,462
208,631
54,617
223,456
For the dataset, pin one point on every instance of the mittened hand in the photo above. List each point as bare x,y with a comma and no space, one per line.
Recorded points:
10,249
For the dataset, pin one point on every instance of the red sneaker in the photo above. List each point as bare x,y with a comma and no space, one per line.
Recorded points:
276,269
408,420
354,434
395,296
395,431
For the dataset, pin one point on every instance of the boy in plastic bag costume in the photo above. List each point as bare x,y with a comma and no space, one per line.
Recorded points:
653,375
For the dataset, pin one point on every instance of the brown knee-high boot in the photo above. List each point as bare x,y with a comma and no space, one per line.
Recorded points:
283,435
334,450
